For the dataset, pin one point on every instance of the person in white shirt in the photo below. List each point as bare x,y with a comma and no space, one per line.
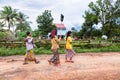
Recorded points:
29,56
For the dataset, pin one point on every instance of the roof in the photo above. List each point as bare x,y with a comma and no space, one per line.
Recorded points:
60,25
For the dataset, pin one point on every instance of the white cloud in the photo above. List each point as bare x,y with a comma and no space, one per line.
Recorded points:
72,9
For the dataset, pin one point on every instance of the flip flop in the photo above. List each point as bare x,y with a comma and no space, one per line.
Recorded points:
66,61
25,63
37,62
49,61
57,65
71,61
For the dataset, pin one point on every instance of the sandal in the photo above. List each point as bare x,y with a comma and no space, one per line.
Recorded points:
57,65
71,61
66,61
25,63
49,61
37,62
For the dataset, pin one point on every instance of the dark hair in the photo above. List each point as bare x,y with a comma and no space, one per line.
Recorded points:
27,33
68,34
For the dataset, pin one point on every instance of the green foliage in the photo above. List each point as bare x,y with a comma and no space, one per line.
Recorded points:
23,24
36,33
43,43
21,36
43,50
1,25
90,20
74,32
86,33
6,35
21,17
45,22
23,27
8,15
3,34
14,51
103,11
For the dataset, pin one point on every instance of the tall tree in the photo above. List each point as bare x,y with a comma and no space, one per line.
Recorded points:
23,24
21,17
106,12
90,20
45,22
8,16
1,25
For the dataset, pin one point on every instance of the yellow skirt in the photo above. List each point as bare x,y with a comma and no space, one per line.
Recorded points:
30,55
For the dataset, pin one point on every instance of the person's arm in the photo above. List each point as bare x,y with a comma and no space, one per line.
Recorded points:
32,41
25,40
57,40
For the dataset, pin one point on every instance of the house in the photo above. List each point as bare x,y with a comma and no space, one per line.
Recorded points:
61,29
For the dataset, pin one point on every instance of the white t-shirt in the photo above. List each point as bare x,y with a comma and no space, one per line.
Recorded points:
29,43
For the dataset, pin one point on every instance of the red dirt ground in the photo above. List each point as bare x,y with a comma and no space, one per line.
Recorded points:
87,66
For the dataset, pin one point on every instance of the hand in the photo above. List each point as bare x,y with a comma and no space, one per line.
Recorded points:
60,35
26,40
34,46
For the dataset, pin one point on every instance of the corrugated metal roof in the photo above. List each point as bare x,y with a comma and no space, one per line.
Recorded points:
60,25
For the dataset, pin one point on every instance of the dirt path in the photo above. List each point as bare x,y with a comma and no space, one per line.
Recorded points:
87,66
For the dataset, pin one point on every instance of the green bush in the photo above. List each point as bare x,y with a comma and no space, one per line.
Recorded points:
46,48
42,50
45,44
12,45
14,51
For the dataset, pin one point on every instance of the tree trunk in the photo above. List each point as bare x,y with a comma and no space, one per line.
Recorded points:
9,25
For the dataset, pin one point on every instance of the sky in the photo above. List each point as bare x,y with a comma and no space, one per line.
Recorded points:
73,10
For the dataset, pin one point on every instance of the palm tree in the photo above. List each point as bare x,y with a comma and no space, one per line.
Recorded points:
1,25
23,24
8,16
21,17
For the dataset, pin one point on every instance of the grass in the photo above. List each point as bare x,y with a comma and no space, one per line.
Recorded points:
11,51
46,48
42,50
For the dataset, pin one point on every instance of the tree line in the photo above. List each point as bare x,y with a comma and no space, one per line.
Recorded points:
17,23
105,12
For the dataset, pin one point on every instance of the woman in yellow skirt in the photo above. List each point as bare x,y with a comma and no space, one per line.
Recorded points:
29,56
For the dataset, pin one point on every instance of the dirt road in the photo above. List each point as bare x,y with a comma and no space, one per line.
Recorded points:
87,66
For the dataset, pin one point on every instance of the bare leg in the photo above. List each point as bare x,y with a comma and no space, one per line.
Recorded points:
66,59
36,61
25,61
71,60
57,63
51,60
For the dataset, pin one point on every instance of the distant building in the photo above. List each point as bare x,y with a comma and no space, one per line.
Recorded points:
61,29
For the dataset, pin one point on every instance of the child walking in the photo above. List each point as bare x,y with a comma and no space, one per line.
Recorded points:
29,56
69,51
55,46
